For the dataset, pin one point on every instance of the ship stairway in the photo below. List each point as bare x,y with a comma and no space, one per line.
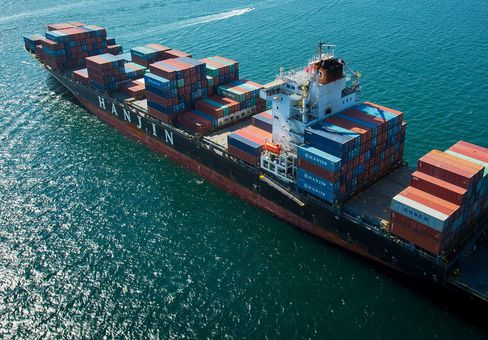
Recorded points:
282,190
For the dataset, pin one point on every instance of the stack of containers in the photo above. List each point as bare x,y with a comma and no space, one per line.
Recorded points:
197,121
445,195
110,41
243,91
148,54
134,88
115,49
31,41
69,47
171,54
53,53
63,26
105,71
151,53
134,71
318,172
173,87
264,120
221,70
424,219
218,107
247,144
478,155
82,76
40,53
367,139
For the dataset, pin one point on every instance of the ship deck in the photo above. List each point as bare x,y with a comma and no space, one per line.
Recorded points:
220,136
374,202
141,104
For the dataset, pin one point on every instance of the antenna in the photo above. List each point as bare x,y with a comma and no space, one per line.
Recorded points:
330,49
321,44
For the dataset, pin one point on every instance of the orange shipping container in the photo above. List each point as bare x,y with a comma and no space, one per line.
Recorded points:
431,201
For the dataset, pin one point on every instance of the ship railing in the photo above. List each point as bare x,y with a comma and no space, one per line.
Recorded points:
374,224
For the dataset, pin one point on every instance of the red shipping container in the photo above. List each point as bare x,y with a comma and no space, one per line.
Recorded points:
471,150
476,168
415,232
175,54
444,169
160,115
238,153
319,171
438,187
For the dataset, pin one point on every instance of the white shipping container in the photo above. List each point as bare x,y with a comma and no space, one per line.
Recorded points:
420,213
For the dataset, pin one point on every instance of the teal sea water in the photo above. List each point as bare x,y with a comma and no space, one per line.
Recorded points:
99,236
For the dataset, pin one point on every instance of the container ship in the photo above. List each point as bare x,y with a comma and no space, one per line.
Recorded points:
303,147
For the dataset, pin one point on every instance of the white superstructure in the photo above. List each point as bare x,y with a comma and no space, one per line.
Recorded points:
302,97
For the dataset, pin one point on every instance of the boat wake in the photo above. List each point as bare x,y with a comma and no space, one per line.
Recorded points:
215,17
193,22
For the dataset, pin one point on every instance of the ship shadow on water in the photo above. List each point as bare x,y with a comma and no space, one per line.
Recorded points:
460,304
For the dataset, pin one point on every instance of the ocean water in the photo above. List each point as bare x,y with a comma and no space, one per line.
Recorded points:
101,237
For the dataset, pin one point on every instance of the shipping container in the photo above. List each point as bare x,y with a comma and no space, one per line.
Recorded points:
444,169
81,75
319,157
330,140
134,89
244,144
263,120
438,187
318,186
415,232
421,213
148,54
318,171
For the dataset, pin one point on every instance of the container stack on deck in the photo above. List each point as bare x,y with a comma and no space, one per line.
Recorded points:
148,54
220,70
65,25
68,48
172,54
82,76
245,92
446,194
105,71
115,49
263,120
151,53
214,111
247,144
349,150
134,88
173,86
134,71
31,41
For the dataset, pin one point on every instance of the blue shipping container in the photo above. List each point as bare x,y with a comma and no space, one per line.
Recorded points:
319,157
244,144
